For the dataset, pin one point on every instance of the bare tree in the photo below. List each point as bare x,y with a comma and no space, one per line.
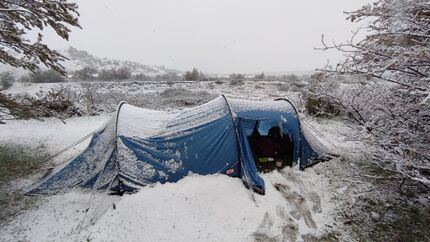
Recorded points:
394,101
18,17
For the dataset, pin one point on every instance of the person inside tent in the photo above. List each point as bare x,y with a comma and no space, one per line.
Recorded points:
271,151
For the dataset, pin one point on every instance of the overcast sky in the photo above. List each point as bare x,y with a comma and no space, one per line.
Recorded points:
221,36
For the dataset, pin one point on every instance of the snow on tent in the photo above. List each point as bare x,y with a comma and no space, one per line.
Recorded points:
138,146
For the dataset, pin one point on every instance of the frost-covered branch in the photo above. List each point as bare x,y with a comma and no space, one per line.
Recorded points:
17,17
390,94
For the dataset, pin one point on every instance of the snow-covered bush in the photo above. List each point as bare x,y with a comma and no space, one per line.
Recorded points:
260,76
84,74
122,73
237,82
194,75
6,80
53,103
392,101
44,76
88,93
235,76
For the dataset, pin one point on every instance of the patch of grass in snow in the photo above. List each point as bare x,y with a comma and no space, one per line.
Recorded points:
17,161
13,203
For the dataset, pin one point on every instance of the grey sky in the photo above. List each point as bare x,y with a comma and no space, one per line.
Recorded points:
220,36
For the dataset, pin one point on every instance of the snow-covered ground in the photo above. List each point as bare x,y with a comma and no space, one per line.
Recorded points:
298,205
52,133
197,208
146,93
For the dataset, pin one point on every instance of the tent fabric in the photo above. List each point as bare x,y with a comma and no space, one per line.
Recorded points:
85,168
139,147
249,172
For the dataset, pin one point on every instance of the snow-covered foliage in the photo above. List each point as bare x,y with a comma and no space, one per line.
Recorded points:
18,17
396,48
52,103
392,98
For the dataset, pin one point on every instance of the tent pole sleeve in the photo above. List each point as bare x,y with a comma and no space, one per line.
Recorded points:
118,168
299,125
239,145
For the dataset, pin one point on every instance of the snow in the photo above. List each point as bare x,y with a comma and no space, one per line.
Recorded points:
130,121
52,221
211,208
240,105
79,59
335,134
197,208
52,133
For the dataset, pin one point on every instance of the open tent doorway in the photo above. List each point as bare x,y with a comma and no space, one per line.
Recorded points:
272,146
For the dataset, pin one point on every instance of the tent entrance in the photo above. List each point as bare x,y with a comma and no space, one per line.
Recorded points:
272,147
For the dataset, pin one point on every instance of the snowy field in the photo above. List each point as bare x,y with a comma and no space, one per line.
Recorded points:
298,205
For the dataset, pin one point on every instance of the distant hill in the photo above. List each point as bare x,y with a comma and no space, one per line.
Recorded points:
79,59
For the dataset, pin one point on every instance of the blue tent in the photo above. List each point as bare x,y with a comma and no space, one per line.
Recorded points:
138,147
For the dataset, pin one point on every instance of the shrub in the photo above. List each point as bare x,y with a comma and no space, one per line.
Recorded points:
235,76
54,103
142,77
122,73
193,75
170,77
86,73
46,76
320,106
57,103
260,76
236,82
6,80
292,78
88,96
